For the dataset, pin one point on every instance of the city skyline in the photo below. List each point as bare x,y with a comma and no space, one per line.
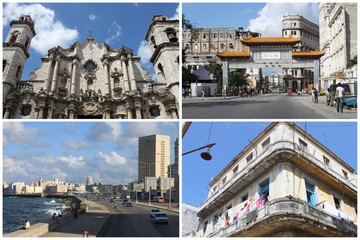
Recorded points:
73,150
113,23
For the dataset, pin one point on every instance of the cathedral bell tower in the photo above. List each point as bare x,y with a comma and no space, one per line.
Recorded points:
16,51
163,39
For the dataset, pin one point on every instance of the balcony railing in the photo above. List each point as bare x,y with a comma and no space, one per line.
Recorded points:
293,206
279,145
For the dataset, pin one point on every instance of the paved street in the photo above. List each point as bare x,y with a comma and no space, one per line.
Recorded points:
268,106
136,222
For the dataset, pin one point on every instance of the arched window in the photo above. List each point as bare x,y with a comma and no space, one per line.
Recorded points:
171,34
4,65
14,37
27,43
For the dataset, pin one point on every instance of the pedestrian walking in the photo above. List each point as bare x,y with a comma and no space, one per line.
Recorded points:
223,93
339,96
203,93
86,233
190,93
316,99
313,95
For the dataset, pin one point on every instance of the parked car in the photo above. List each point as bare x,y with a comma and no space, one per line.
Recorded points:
161,217
129,204
153,211
330,96
125,201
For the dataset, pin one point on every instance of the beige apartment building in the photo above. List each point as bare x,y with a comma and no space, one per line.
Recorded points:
283,184
154,156
308,33
338,39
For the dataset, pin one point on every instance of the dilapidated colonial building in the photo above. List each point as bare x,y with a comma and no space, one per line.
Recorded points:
91,80
283,184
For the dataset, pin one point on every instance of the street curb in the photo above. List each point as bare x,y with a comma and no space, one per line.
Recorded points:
102,229
156,206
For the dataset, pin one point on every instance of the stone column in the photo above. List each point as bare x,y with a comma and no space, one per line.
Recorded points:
131,74
107,114
73,76
126,76
50,113
225,76
129,113
71,114
48,74
54,79
173,114
107,78
138,113
41,112
36,113
7,112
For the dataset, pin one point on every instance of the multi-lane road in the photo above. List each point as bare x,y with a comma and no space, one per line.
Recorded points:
136,222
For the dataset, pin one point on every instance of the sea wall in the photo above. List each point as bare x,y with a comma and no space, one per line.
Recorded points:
40,229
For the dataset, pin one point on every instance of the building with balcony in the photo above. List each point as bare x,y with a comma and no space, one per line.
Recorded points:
338,39
283,184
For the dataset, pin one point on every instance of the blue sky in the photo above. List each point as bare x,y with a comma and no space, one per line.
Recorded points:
232,137
265,18
70,151
119,24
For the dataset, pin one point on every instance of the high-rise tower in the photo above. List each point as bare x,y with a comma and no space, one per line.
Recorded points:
16,51
154,156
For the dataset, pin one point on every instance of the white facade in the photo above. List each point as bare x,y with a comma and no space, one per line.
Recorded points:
89,80
279,166
338,39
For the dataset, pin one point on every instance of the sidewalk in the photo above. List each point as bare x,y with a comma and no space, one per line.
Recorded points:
93,220
154,205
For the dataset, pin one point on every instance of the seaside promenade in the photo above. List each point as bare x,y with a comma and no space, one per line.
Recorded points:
94,220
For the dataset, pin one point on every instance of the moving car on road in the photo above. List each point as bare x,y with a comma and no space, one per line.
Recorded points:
161,217
153,211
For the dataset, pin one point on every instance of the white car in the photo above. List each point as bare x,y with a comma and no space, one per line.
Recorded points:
161,217
153,211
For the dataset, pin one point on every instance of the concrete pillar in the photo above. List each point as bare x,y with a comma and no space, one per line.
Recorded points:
126,76
317,74
73,76
54,79
48,74
225,76
131,74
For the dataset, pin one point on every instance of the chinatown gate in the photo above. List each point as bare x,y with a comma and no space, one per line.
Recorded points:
275,52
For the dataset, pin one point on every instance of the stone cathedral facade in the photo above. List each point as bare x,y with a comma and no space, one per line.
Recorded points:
92,80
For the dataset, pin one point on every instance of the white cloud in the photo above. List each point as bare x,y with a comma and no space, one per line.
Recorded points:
73,162
75,145
14,167
269,19
104,131
16,132
116,29
92,17
144,53
176,15
50,31
113,159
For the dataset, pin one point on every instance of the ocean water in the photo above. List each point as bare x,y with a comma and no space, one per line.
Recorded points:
17,209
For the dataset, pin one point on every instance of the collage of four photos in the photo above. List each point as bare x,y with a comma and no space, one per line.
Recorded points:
179,119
